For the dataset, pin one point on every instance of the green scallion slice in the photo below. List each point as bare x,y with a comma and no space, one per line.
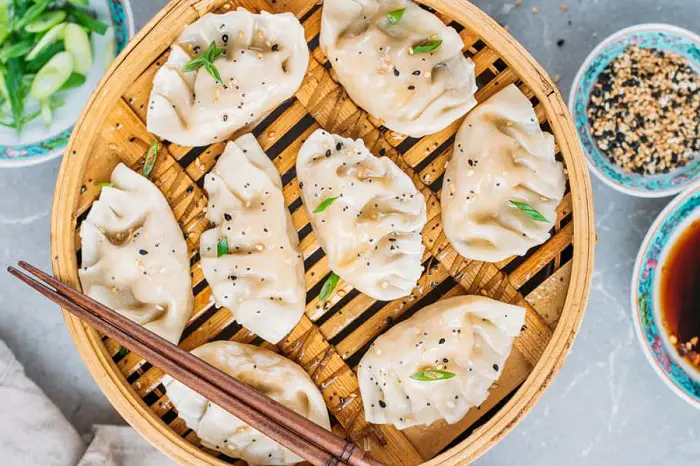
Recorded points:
427,46
328,287
430,375
395,16
222,247
150,160
530,211
325,204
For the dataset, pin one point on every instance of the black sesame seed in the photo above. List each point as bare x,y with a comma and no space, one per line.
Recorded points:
143,252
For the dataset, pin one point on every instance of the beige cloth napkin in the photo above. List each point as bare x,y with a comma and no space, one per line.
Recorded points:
33,432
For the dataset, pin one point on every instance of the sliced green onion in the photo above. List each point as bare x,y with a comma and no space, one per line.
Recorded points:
54,34
32,13
193,65
222,247
325,204
105,185
328,287
77,42
46,21
44,56
150,160
430,375
88,22
123,351
52,76
74,80
18,49
206,59
395,16
4,20
213,71
13,83
46,112
427,46
80,3
530,211
213,51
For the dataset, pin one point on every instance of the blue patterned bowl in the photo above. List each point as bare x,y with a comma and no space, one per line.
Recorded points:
37,143
659,36
677,373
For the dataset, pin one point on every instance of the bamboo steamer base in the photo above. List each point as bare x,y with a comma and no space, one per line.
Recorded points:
551,282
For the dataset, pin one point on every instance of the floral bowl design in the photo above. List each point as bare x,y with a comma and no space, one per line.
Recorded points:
674,371
658,36
37,143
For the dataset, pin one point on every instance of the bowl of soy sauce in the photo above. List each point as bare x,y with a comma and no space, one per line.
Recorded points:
666,295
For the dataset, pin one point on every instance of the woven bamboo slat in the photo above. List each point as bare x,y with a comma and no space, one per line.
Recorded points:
551,282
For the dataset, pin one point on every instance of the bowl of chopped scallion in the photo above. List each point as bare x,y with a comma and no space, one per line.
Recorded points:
52,55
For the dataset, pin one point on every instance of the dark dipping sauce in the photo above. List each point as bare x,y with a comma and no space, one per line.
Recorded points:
680,294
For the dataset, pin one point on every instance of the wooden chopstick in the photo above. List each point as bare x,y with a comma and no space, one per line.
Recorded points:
289,428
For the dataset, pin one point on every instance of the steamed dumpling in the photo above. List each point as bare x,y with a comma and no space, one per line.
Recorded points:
260,276
263,64
134,257
468,336
384,71
269,373
500,155
371,231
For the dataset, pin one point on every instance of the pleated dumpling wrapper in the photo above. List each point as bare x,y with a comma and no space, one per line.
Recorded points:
503,185
251,258
439,363
366,213
269,373
134,257
263,63
399,62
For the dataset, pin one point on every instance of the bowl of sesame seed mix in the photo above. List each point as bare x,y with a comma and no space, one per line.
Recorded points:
636,106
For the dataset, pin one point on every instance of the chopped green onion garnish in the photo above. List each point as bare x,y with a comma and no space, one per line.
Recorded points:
18,49
222,247
395,16
74,80
206,59
122,351
430,375
427,46
325,204
150,160
46,21
105,185
87,21
530,211
328,287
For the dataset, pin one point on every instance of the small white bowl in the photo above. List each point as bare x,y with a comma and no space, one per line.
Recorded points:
37,143
658,36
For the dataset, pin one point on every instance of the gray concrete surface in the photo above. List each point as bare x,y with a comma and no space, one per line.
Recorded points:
606,407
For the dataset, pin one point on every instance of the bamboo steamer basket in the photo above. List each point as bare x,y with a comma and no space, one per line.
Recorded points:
551,282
